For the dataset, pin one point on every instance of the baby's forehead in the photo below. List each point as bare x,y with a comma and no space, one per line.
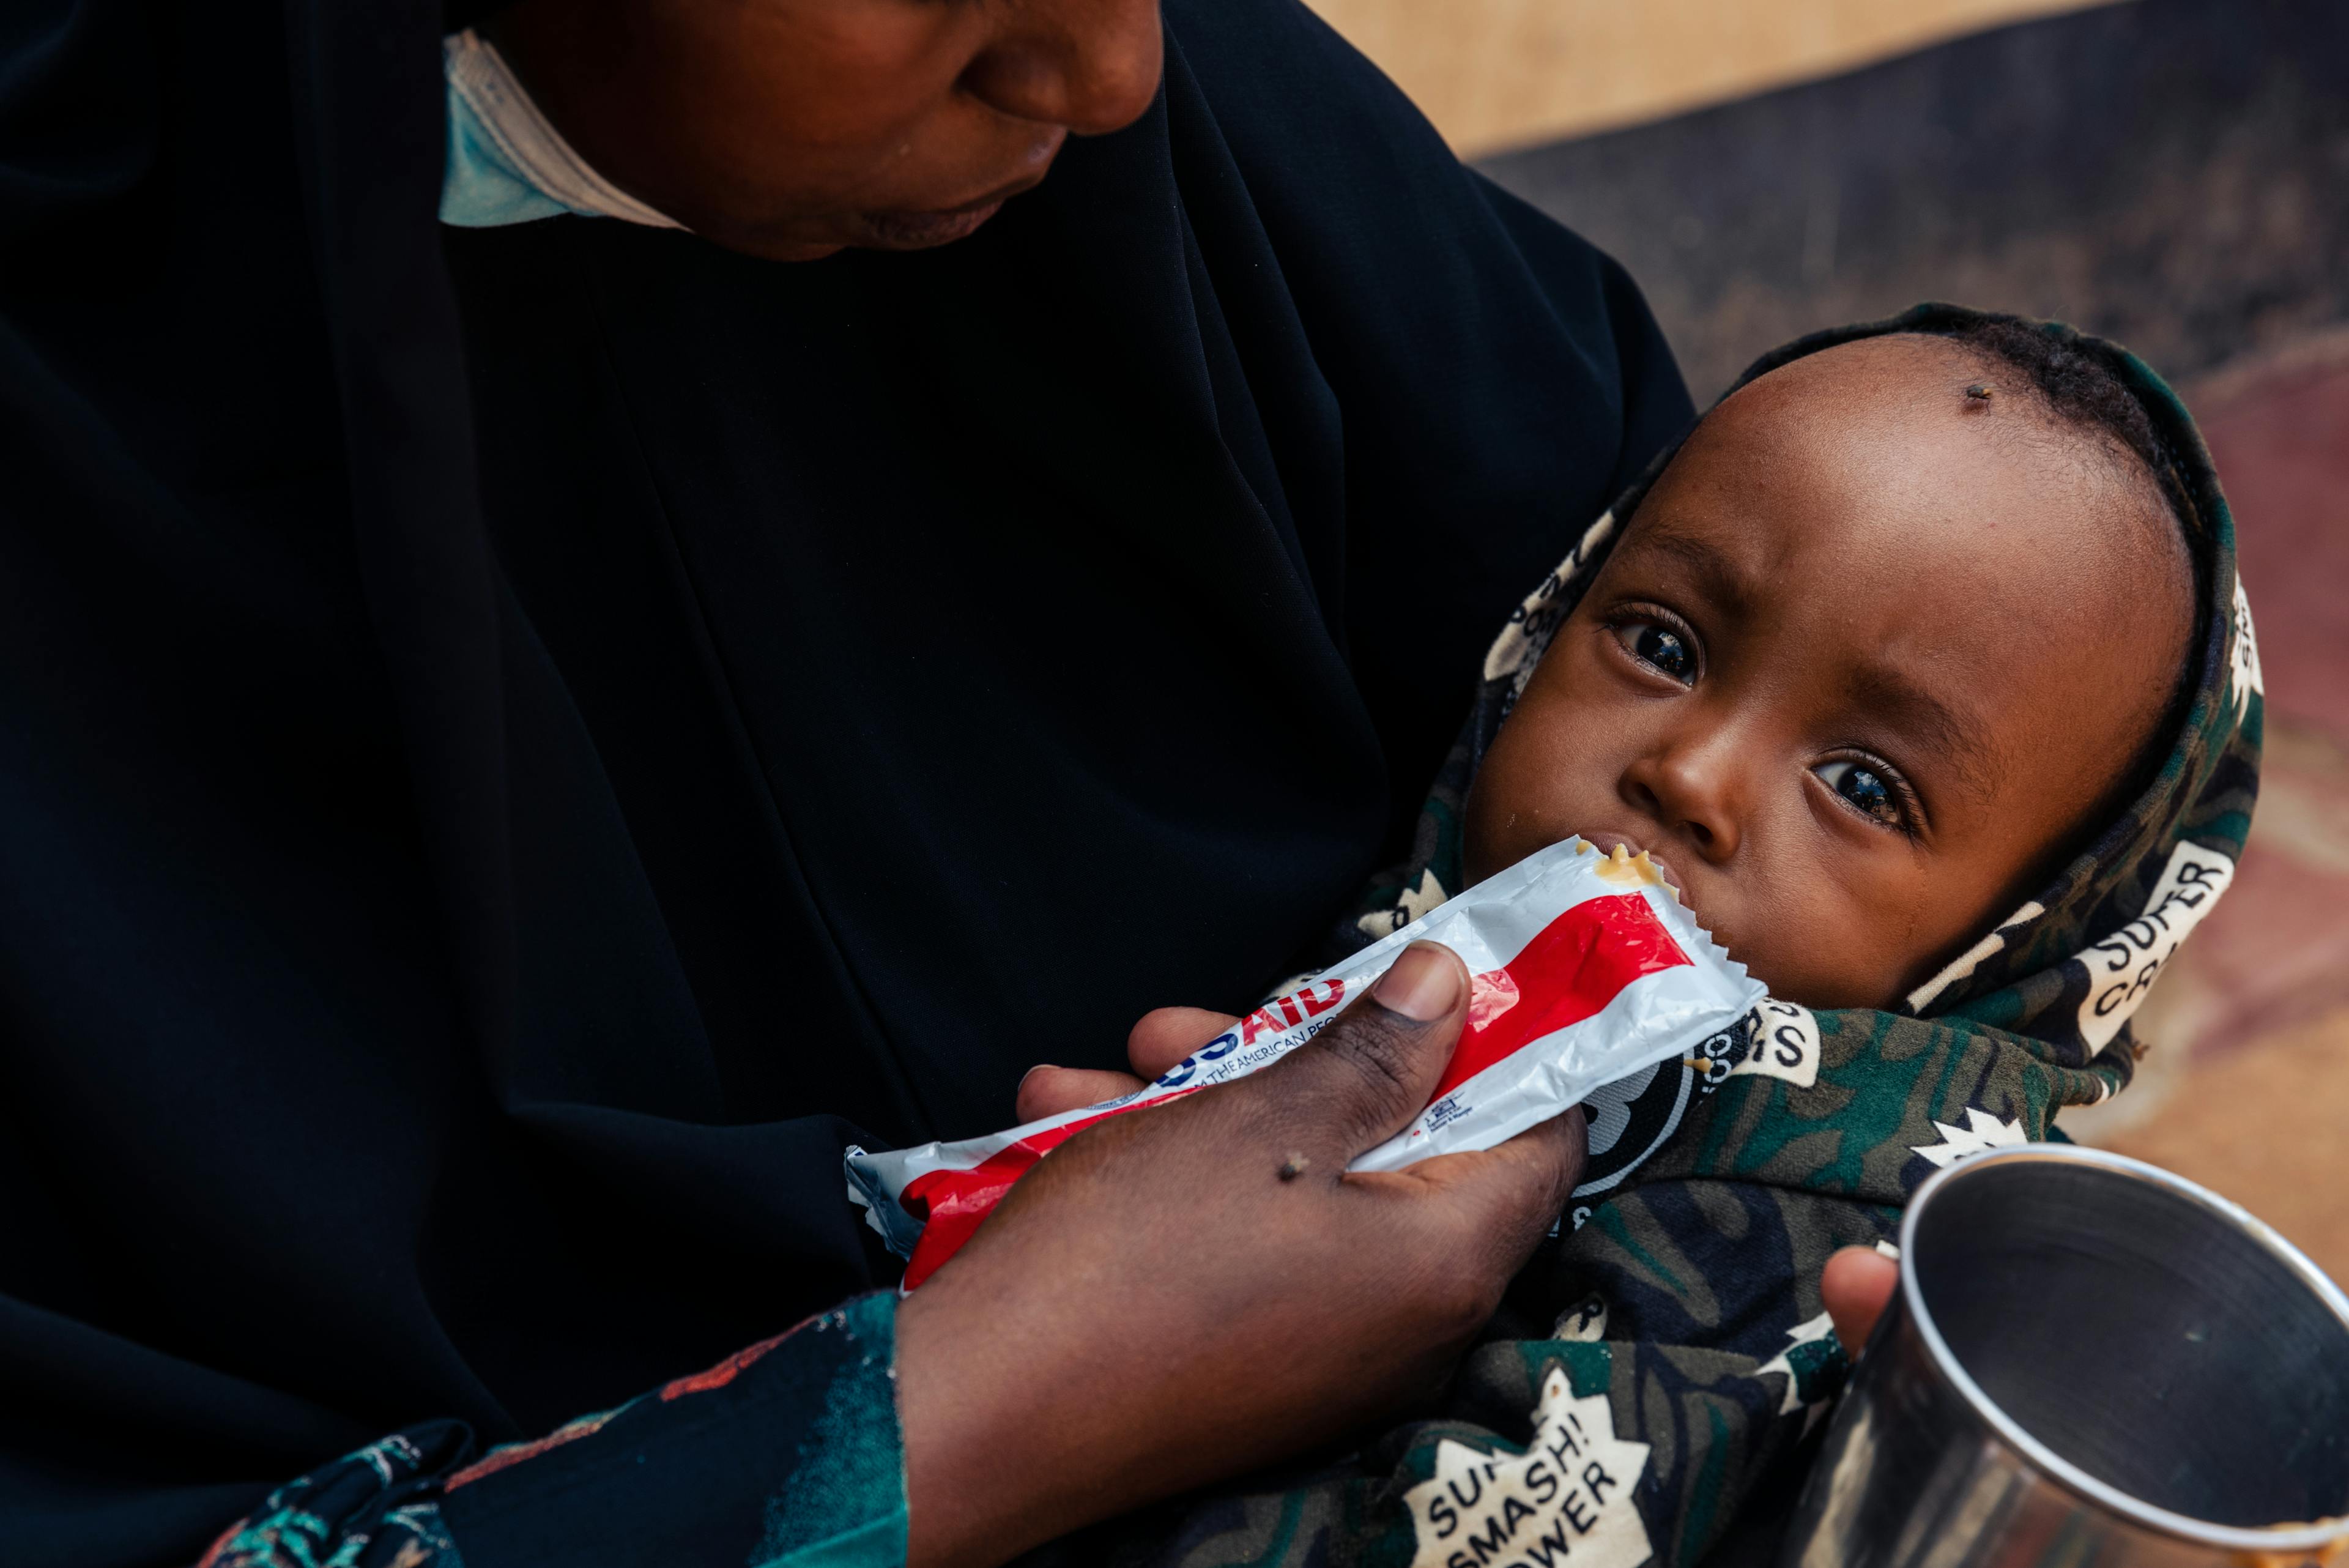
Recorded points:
1874,472
1904,430
1863,516
1916,372
1945,387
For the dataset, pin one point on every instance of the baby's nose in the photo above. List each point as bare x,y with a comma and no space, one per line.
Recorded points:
1692,792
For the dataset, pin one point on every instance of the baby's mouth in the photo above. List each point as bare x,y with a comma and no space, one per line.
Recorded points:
1607,842
1664,869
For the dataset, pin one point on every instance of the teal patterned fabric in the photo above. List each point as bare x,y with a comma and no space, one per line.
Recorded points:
1668,1351
786,1454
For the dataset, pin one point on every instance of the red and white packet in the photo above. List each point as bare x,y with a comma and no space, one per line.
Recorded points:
1587,969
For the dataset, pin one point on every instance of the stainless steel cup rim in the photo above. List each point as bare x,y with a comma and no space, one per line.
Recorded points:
2317,1537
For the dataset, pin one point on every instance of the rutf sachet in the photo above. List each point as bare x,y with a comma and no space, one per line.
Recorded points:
1586,967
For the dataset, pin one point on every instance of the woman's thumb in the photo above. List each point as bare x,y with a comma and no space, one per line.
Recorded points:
1361,1080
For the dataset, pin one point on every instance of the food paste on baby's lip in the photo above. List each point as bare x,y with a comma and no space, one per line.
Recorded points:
1625,869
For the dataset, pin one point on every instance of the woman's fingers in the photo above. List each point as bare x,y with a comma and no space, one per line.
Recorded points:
1361,1081
1855,1287
1163,1037
1049,1091
1519,1186
1167,1034
1380,1058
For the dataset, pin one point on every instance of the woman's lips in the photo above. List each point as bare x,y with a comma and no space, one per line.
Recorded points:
920,231
937,226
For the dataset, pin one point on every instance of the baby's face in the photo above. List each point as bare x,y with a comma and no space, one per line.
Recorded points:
1869,656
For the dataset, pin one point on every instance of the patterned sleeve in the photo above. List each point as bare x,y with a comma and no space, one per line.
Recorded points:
786,1454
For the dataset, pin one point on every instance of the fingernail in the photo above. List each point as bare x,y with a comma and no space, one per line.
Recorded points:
1423,984
1039,1067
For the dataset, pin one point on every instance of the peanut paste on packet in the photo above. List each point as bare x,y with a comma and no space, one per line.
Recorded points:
1587,969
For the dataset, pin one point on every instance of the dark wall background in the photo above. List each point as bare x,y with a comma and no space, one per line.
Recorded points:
2173,173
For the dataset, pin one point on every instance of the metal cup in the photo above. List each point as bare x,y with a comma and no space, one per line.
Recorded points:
2089,1361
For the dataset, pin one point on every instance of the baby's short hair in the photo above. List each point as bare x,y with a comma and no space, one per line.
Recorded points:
2081,390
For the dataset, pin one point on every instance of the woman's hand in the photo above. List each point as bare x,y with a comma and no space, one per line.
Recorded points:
1156,1307
1163,1037
1856,1285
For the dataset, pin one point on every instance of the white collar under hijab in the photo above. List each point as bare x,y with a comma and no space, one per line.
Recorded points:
506,164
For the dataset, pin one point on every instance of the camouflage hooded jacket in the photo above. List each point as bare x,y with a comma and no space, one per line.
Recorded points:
1657,1366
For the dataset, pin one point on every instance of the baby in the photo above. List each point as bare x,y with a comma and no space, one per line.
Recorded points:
1895,629
1921,670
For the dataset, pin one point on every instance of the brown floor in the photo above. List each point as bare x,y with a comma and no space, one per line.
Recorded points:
2264,1126
2246,1086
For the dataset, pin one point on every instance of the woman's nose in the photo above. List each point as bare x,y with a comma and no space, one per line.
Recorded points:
1691,789
1091,65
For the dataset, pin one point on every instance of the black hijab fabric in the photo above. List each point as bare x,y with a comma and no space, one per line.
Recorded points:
516,745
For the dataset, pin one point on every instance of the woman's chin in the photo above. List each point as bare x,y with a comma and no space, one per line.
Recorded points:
802,239
921,230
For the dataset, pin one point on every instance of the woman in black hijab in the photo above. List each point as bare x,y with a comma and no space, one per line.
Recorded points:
517,746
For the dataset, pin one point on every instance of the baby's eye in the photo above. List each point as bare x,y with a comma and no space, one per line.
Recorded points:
1864,788
1660,646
